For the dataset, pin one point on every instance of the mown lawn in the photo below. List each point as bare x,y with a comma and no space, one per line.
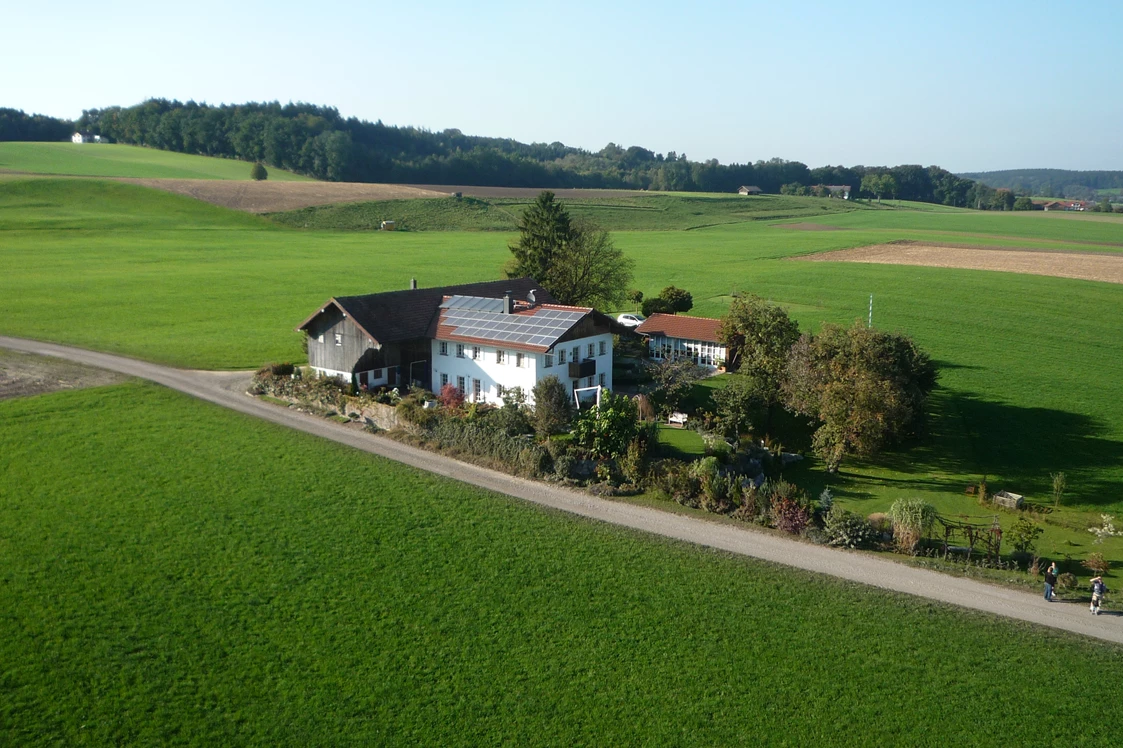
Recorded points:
174,573
114,160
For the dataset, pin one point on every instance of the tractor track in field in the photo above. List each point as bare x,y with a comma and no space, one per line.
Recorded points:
227,389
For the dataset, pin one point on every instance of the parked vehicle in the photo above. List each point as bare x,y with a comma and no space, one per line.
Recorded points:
631,320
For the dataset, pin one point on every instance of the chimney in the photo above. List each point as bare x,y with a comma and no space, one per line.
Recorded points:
413,284
508,303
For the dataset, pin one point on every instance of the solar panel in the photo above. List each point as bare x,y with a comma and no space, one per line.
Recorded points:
477,317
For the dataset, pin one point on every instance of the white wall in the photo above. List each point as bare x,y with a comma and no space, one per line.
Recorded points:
508,375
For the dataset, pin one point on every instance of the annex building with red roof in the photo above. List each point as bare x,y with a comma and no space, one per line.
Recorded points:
674,336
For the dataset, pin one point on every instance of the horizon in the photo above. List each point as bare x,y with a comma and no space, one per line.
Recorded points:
971,90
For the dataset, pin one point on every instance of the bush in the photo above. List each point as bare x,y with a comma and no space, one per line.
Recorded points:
451,397
633,463
848,530
675,478
656,306
258,172
678,299
789,515
607,429
912,519
1067,581
1097,564
563,466
1024,534
553,407
880,523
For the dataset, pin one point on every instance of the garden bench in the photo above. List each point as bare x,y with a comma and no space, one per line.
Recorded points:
677,419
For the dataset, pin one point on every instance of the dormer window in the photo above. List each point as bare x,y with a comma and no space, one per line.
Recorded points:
339,338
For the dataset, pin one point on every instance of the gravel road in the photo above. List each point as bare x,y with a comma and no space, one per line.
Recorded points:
228,390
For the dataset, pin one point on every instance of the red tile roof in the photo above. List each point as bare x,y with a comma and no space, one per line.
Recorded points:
684,328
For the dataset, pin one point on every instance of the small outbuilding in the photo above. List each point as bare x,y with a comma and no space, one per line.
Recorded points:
750,190
1009,500
673,336
85,137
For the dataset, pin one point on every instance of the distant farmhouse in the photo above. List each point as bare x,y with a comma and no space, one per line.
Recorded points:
483,338
1066,205
838,190
671,336
85,137
750,190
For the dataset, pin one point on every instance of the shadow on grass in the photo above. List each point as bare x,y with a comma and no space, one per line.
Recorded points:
970,437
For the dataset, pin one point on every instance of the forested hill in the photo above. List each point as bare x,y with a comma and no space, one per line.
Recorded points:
1052,182
317,141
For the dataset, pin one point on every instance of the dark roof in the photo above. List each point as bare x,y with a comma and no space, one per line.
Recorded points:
684,328
395,316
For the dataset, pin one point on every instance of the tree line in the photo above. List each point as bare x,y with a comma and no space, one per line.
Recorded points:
318,141
16,125
1059,183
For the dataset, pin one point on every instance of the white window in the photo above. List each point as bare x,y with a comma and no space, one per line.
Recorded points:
519,360
460,350
476,390
500,357
603,347
547,360
475,353
592,351
561,355
601,379
460,385
444,380
339,338
444,348
320,338
589,382
576,353
499,390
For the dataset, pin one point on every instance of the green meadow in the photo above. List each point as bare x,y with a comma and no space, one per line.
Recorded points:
113,160
1028,363
172,572
628,212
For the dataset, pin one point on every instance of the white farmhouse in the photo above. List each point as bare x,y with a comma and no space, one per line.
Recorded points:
482,338
85,137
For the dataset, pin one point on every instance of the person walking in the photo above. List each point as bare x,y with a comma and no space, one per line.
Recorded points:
1098,590
1050,580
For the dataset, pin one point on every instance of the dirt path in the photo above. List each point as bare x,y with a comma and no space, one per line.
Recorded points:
228,390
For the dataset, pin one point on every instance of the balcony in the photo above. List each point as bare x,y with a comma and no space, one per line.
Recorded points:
586,368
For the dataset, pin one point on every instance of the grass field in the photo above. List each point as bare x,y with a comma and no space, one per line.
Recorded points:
1028,364
112,160
175,573
657,211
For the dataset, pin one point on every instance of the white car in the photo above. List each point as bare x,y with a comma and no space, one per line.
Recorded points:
631,320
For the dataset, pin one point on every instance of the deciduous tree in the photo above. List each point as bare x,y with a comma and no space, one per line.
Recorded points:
679,299
257,171
866,388
758,336
587,269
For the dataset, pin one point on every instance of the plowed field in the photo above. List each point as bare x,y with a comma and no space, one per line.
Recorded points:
1096,266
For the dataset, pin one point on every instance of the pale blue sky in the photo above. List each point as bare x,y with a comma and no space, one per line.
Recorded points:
966,85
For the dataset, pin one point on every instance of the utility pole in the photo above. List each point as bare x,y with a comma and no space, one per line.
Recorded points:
870,323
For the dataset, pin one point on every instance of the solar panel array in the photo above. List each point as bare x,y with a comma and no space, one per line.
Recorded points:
474,317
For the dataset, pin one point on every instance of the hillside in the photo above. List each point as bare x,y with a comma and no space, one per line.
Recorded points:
1082,185
105,160
626,212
